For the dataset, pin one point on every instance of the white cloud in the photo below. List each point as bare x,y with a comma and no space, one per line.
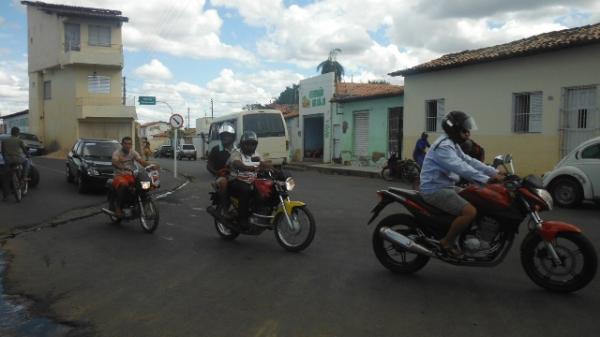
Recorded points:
154,70
230,91
14,90
181,28
380,36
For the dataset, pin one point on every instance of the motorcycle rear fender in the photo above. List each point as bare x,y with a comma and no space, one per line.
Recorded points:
551,228
387,198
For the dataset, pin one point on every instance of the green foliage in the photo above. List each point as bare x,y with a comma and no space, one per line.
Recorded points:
331,65
290,95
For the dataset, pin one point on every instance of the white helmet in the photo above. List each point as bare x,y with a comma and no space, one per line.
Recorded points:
226,128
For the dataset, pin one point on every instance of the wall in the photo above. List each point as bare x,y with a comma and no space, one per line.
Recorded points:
21,121
318,106
378,123
295,138
45,40
486,90
59,122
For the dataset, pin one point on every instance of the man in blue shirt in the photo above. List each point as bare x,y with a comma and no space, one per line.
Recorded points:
420,149
442,168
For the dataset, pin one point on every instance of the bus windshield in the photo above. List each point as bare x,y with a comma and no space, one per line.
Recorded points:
265,124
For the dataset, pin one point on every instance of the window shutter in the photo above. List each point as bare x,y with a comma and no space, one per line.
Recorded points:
535,112
99,84
441,112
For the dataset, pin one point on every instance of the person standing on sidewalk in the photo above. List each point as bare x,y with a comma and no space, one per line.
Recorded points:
421,149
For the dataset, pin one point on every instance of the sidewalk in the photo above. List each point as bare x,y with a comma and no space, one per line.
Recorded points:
358,171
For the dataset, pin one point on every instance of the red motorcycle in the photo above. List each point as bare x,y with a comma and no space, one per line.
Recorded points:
555,255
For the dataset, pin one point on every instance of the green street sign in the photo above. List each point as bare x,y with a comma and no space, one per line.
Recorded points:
147,100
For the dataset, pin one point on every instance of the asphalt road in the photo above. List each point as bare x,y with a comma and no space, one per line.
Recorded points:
185,281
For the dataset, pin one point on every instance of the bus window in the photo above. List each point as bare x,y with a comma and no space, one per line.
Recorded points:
265,124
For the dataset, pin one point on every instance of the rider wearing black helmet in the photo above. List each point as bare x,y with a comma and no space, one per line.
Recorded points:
244,164
442,168
217,163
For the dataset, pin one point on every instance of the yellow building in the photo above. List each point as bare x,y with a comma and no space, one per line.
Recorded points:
536,98
75,80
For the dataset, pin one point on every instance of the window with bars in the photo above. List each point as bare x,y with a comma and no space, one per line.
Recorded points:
98,84
434,112
47,90
527,112
99,36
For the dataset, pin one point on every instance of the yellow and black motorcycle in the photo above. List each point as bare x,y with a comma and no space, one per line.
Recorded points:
270,208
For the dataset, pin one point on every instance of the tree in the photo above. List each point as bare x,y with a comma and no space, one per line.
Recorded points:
255,106
289,95
331,65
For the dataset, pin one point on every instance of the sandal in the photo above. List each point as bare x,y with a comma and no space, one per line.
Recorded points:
452,251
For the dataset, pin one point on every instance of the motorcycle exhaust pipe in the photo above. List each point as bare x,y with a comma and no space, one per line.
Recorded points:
109,212
396,238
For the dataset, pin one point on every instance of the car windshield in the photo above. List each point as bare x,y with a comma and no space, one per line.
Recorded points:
28,136
188,147
99,150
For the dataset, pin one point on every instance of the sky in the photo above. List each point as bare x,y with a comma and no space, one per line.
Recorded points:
238,52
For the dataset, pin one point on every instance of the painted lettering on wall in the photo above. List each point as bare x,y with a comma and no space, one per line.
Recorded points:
315,98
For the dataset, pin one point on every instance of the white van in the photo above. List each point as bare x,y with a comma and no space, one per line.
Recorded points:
269,126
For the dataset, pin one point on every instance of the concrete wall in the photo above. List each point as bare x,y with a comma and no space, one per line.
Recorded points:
21,121
59,112
378,124
486,92
295,138
45,39
318,106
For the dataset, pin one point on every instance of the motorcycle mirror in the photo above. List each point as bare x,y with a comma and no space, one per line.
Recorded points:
507,158
498,160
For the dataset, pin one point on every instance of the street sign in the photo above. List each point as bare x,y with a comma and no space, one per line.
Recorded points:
176,121
147,100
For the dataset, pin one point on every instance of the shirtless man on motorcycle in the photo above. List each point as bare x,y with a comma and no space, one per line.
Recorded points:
442,168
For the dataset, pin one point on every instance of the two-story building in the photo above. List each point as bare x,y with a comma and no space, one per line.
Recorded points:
75,74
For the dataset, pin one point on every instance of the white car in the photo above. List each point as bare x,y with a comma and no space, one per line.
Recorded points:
577,176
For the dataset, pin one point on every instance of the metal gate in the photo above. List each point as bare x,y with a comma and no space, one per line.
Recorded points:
395,130
580,120
361,134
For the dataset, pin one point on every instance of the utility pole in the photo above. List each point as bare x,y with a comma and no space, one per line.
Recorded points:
212,112
188,118
124,90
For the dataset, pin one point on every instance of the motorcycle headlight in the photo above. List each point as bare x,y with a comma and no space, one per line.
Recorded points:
545,195
145,185
290,183
92,171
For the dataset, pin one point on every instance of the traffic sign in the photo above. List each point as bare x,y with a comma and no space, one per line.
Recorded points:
147,100
176,121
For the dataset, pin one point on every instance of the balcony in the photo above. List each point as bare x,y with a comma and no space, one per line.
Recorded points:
93,55
105,111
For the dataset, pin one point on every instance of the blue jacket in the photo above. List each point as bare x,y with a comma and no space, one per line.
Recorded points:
445,163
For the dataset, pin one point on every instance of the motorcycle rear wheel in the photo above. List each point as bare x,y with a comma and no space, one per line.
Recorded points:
394,258
285,235
225,232
386,174
17,189
149,223
541,269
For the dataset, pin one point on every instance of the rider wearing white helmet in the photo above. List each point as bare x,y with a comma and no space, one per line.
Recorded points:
217,163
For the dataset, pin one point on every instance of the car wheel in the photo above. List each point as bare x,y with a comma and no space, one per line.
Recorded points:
566,192
70,178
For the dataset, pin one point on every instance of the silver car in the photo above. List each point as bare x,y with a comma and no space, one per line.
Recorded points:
187,151
577,176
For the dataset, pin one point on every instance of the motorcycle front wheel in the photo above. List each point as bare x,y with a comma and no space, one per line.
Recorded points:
578,261
149,222
17,189
386,174
394,258
302,232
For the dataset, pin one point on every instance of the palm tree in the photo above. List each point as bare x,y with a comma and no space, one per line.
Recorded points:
331,65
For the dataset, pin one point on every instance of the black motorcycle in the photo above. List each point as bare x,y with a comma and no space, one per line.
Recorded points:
406,170
139,203
270,208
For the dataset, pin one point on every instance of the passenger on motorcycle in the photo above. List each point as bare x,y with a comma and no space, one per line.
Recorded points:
15,152
442,168
217,164
244,165
123,160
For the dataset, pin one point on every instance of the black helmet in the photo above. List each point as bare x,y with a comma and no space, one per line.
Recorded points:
456,121
248,142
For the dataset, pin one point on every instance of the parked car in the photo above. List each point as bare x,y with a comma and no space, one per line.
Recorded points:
577,176
187,151
34,173
165,151
89,163
33,143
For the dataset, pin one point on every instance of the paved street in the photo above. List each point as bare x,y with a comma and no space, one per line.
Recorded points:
184,281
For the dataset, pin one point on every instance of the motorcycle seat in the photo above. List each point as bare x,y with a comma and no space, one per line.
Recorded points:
418,198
